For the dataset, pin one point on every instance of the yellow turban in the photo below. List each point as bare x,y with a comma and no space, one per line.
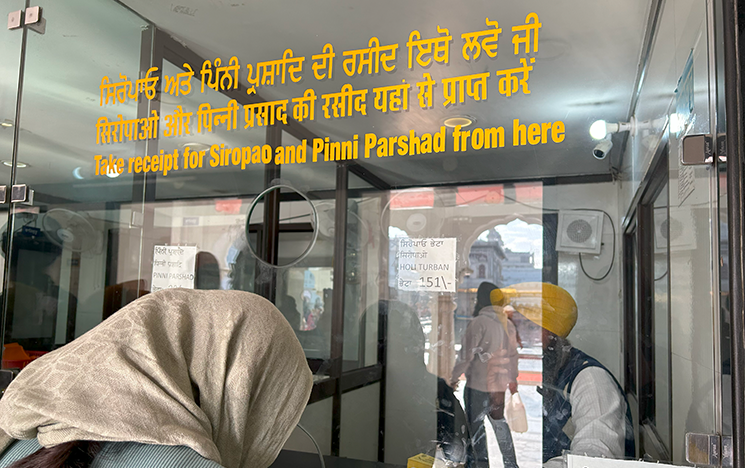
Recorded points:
544,304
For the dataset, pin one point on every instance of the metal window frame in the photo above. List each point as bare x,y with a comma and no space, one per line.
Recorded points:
629,315
638,304
339,382
734,67
14,159
646,357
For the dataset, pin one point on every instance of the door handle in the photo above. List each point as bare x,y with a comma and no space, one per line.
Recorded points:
709,449
21,194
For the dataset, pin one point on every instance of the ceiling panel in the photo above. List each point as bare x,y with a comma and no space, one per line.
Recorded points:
584,70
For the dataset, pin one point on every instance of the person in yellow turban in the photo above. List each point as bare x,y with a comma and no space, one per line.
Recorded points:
580,395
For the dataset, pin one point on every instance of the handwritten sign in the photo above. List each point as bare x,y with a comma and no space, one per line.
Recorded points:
426,265
684,116
173,267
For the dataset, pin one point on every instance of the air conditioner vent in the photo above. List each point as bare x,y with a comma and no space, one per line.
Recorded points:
580,231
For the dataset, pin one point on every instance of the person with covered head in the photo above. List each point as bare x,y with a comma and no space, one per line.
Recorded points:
177,378
584,408
488,357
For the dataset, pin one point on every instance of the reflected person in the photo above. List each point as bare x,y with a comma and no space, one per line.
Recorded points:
207,271
428,417
580,395
488,357
288,306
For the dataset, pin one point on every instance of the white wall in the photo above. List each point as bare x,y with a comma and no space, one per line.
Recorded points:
599,303
360,410
316,419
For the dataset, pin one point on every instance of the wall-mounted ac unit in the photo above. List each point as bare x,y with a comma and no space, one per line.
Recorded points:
580,231
679,229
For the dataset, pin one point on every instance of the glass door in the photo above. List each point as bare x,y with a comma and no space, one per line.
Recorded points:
12,46
73,242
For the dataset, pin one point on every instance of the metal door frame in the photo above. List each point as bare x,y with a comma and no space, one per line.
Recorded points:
734,42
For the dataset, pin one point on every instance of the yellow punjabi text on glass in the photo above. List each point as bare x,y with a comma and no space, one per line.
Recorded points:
485,40
220,78
374,57
532,25
113,93
266,71
437,48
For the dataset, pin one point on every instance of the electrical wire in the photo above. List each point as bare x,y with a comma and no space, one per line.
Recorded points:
661,276
581,264
318,449
548,210
613,255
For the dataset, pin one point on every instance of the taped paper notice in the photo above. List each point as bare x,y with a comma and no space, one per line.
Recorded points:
426,265
173,267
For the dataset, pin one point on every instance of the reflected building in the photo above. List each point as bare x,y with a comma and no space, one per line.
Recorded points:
519,267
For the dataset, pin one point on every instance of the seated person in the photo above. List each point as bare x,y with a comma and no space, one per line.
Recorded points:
584,408
177,378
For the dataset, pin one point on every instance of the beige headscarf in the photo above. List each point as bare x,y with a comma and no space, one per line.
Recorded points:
218,371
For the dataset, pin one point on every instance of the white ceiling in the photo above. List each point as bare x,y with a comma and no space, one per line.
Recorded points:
585,70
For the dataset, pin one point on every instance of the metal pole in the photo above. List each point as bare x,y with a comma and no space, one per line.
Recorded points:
14,157
337,320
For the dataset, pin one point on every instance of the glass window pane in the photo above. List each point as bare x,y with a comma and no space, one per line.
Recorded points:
64,275
209,176
444,235
661,320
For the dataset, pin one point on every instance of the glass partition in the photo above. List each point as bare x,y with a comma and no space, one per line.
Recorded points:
463,212
664,228
10,61
64,277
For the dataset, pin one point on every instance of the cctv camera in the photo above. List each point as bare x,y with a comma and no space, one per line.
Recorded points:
602,149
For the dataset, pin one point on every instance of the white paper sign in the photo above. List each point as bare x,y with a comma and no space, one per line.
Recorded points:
581,461
686,182
173,267
426,265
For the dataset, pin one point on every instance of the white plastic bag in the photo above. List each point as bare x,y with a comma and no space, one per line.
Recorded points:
514,413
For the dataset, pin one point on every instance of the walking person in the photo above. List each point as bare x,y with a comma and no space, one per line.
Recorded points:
488,357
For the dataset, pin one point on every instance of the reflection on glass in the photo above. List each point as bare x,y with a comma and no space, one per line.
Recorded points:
661,318
304,288
407,332
502,250
242,264
362,282
206,180
64,278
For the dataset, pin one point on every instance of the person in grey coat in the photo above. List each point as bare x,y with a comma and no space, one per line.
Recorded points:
488,357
